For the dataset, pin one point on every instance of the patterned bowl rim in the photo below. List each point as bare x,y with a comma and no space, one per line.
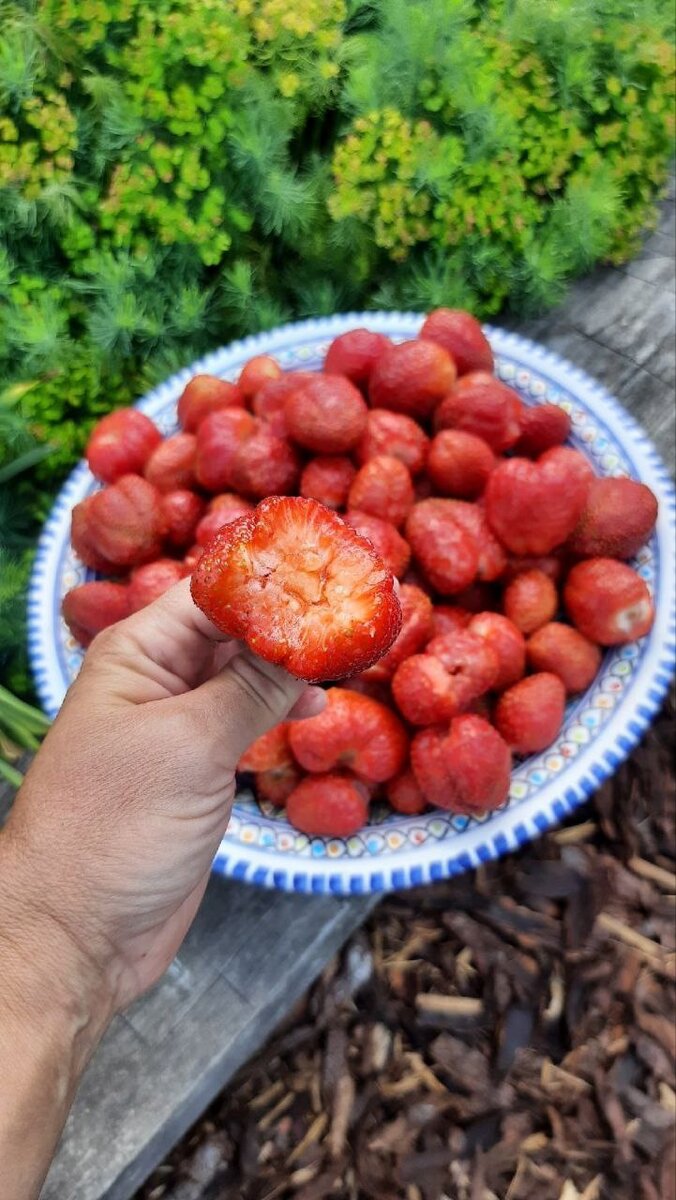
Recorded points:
506,829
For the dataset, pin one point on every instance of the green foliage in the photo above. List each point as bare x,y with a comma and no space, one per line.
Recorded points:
178,173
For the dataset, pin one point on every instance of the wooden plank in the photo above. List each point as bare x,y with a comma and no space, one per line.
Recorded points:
250,953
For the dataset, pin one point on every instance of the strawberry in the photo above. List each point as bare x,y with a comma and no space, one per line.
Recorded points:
534,506
383,488
492,558
353,731
91,607
268,402
446,553
301,588
276,771
172,464
454,670
82,539
181,510
326,414
529,715
191,559
354,353
542,426
153,579
327,479
459,463
394,434
530,600
616,521
385,539
416,630
121,444
404,794
608,602
462,336
465,770
329,805
259,370
222,510
126,524
481,405
205,394
411,378
265,465
570,464
565,652
219,436
448,618
508,643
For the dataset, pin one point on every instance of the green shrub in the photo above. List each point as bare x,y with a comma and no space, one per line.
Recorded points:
179,173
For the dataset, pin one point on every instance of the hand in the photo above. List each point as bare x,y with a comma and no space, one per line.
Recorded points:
112,836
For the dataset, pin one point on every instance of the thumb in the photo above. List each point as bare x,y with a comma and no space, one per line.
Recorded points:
243,701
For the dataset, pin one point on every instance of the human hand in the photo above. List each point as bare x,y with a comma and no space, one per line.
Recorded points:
110,842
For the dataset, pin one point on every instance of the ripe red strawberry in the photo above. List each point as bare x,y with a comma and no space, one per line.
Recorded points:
353,731
466,770
121,444
454,670
205,394
383,488
222,510
448,618
394,434
530,600
172,464
416,630
328,806
617,519
126,524
446,553
326,414
608,602
301,588
385,539
153,579
405,796
411,378
508,643
218,438
181,511
91,607
481,405
565,652
268,402
265,465
462,336
570,464
529,715
459,463
276,770
492,557
82,539
259,370
534,506
327,479
354,353
542,426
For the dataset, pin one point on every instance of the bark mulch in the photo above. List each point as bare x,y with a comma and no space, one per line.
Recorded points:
508,1035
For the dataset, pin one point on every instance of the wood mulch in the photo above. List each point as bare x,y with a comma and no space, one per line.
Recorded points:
507,1035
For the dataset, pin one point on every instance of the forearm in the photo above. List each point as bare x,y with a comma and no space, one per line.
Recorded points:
53,1012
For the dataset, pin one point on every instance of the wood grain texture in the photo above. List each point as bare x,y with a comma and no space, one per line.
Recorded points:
251,953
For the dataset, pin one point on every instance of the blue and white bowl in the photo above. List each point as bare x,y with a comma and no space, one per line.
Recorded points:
600,728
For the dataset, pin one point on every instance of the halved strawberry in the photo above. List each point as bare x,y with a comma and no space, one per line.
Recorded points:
301,588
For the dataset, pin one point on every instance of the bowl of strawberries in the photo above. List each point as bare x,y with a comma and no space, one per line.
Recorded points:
465,538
